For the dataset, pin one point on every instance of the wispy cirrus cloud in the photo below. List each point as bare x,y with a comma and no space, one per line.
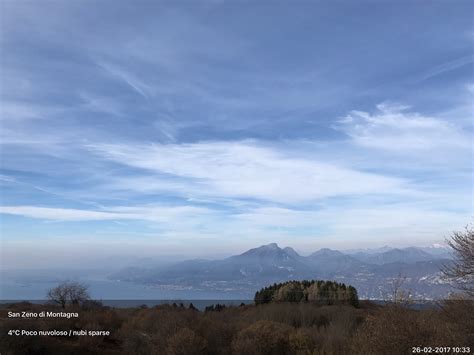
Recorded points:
447,67
212,108
128,78
59,214
249,170
159,214
394,128
259,189
21,110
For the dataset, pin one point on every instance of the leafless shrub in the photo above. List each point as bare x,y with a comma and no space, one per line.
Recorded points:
263,337
186,342
461,270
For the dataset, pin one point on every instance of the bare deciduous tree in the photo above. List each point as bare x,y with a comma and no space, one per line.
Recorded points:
58,295
398,294
73,293
461,270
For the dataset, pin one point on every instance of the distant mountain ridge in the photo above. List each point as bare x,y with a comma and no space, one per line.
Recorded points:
405,255
371,272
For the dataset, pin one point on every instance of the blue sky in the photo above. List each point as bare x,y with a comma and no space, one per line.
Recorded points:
204,128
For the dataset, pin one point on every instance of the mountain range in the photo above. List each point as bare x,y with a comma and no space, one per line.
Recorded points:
373,273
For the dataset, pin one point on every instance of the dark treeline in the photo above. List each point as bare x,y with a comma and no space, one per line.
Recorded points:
320,292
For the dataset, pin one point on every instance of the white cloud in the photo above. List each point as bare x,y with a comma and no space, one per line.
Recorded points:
393,128
446,67
246,170
60,214
131,80
160,214
19,110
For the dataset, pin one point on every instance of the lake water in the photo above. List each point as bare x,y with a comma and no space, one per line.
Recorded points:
33,285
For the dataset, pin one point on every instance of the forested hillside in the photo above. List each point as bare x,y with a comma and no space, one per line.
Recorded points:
270,328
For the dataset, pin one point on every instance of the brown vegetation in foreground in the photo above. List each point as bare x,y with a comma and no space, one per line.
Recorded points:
274,328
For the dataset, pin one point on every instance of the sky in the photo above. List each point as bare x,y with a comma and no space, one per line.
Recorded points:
204,128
